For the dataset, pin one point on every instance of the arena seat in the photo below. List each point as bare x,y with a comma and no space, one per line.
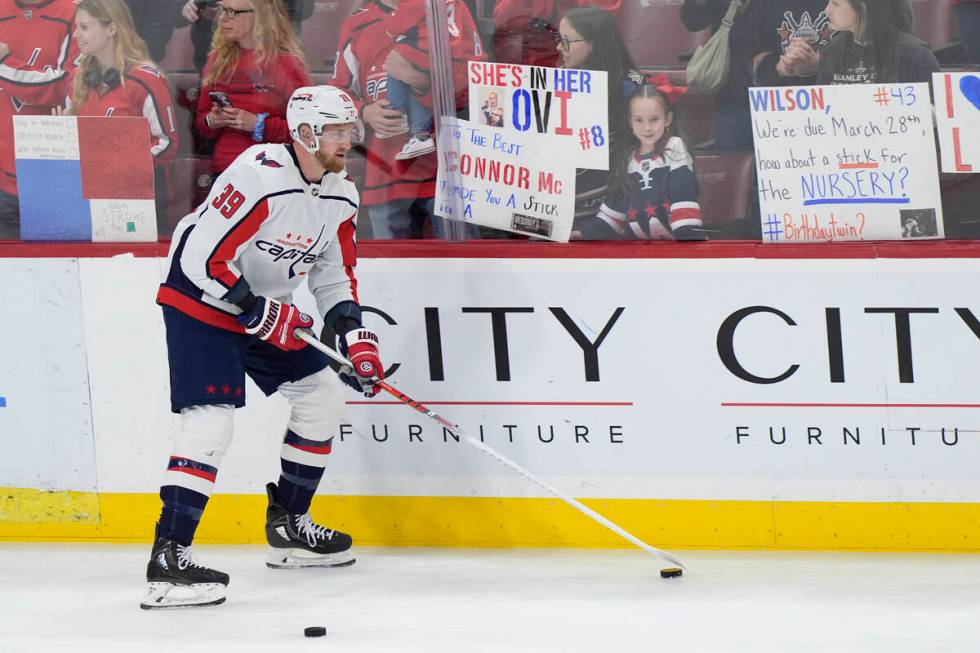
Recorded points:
184,89
698,111
322,30
356,164
190,180
725,181
654,34
935,22
180,51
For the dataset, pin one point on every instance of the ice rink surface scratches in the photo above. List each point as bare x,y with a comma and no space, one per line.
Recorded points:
84,597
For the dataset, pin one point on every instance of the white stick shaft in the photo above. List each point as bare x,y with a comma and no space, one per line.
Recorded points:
499,457
578,505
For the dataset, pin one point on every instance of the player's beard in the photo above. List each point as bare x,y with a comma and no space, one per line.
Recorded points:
331,163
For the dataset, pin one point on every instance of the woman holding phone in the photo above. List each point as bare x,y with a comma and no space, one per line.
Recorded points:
254,66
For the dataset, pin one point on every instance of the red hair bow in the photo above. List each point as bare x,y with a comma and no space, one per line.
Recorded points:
662,84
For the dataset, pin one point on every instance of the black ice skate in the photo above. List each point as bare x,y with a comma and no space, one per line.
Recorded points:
175,580
297,541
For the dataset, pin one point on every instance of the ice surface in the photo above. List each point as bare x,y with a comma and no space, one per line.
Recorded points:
84,597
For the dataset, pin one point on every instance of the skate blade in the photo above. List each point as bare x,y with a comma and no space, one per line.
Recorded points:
161,595
301,559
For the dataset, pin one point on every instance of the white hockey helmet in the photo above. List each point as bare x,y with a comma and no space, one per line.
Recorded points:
317,106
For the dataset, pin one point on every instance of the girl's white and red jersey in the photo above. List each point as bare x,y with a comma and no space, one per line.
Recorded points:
264,228
143,93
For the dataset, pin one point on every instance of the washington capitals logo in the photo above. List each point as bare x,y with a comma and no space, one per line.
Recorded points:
817,32
261,157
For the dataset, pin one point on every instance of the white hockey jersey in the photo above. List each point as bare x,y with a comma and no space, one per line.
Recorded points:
263,229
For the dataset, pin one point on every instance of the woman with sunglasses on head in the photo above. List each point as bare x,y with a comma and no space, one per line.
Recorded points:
116,78
874,44
588,38
255,64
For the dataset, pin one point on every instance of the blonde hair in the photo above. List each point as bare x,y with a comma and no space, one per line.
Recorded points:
128,48
274,36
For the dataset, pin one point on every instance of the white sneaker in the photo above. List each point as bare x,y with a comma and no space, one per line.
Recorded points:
416,147
402,128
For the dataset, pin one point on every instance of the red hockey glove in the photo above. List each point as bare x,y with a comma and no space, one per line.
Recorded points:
274,322
360,345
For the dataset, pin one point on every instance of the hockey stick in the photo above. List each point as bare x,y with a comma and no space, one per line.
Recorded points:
493,453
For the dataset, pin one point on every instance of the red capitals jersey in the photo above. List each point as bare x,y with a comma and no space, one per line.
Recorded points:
365,41
42,51
364,45
144,93
407,25
257,89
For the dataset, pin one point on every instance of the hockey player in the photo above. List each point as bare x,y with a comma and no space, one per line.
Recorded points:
280,213
36,53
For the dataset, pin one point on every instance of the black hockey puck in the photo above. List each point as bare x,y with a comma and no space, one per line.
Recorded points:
314,631
671,572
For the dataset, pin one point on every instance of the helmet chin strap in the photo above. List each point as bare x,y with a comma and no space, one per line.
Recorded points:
312,150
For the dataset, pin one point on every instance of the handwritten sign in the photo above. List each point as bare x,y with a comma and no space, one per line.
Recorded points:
958,119
844,163
567,106
512,166
504,180
84,178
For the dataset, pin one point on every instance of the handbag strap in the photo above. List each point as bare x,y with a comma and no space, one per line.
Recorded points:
735,7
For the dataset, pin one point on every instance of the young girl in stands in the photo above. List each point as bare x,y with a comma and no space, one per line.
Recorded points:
874,44
588,38
116,78
653,195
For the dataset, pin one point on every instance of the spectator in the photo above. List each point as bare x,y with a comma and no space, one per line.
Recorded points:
785,38
201,14
588,38
399,194
732,120
408,67
115,77
154,21
36,54
968,25
874,43
254,66
653,192
525,30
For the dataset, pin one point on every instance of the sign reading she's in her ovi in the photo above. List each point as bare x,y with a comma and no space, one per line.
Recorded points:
849,162
567,106
84,178
512,166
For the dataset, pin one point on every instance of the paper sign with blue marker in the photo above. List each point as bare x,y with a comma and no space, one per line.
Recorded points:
84,178
958,120
566,106
505,180
846,163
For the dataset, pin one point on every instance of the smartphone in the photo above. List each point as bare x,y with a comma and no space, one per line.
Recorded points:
220,99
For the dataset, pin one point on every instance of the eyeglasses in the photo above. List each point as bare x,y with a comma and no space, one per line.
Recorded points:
564,42
228,12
